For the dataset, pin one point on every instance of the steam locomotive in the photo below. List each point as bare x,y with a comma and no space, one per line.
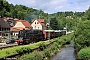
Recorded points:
30,36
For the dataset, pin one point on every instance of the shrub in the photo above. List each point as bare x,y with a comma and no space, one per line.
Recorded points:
19,50
47,53
42,46
54,47
4,37
7,52
24,50
84,53
32,56
58,41
38,55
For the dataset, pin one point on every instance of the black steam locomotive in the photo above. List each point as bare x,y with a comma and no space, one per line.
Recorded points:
29,36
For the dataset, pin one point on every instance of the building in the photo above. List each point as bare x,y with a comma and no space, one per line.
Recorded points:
4,28
20,25
39,24
10,21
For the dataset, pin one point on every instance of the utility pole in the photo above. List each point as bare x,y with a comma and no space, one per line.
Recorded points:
48,27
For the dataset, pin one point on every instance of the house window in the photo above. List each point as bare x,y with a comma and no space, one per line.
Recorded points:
35,22
35,27
6,35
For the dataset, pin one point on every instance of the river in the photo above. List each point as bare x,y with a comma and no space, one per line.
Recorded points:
66,53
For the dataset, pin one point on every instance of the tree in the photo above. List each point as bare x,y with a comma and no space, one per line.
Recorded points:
54,24
87,14
82,34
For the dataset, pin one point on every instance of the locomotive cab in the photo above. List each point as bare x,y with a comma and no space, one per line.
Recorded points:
20,41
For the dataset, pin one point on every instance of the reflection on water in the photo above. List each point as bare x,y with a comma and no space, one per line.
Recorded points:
66,53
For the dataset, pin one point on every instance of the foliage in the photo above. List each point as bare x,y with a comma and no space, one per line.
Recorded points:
42,46
82,34
84,53
47,53
24,50
4,37
15,50
54,24
87,14
33,56
7,52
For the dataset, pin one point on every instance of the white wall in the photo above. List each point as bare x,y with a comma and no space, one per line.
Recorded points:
38,25
19,24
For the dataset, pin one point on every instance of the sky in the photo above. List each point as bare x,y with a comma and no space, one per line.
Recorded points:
53,6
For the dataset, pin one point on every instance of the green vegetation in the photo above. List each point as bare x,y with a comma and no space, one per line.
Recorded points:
42,46
8,51
82,36
4,37
84,53
21,49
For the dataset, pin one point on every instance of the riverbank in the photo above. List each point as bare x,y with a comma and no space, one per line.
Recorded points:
66,53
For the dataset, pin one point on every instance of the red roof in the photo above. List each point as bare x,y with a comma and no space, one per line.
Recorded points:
40,20
25,23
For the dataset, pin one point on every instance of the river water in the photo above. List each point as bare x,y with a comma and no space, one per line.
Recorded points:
66,53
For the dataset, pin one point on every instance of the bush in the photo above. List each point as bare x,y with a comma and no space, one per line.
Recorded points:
7,52
38,55
4,37
54,47
84,53
59,41
32,56
42,46
82,34
47,53
24,50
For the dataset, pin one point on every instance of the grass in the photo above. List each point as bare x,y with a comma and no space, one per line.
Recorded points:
11,51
